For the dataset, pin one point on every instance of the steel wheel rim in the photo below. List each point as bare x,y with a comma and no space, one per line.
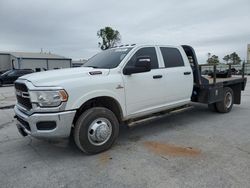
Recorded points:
228,100
99,131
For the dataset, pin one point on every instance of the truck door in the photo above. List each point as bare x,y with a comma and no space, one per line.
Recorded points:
177,75
144,91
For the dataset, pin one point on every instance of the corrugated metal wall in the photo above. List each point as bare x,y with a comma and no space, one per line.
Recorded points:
43,64
33,64
58,64
5,62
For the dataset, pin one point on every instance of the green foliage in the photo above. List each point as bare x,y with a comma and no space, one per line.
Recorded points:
213,60
226,58
109,36
233,58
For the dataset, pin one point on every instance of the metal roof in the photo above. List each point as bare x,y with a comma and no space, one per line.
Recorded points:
34,55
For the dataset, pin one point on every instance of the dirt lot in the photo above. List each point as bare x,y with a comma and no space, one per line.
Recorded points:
192,148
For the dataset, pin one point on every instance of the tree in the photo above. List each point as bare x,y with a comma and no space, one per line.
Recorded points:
226,58
109,36
213,60
234,58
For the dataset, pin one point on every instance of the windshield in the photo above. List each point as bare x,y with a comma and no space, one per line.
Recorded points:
7,72
108,59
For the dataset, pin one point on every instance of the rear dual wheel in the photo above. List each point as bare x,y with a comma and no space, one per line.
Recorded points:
226,104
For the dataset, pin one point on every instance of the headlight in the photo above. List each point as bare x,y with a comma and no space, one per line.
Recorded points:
48,98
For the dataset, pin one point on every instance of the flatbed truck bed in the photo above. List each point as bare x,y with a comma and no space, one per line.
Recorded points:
211,90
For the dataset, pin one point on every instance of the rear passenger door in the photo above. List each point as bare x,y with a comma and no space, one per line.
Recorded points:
177,76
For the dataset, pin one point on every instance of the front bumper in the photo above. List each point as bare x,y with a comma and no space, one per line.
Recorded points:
29,124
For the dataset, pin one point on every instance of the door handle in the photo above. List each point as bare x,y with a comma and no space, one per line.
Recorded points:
187,73
157,76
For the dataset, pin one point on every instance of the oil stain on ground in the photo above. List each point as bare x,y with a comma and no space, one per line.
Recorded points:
104,158
171,150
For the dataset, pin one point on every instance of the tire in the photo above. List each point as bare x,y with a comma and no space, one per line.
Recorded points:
212,107
1,83
96,130
226,104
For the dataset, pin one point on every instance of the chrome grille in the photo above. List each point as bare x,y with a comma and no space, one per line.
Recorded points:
22,95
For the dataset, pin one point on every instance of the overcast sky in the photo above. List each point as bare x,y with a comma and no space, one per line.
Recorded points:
69,28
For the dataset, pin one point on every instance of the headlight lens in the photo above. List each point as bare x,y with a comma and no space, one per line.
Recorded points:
48,98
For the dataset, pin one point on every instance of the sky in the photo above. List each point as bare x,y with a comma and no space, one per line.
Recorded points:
69,28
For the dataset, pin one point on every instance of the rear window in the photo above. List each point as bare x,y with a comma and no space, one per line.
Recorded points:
172,57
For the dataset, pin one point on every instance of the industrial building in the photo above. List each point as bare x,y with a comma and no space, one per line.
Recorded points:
78,63
248,53
36,61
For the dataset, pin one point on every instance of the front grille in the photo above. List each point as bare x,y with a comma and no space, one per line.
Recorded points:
23,98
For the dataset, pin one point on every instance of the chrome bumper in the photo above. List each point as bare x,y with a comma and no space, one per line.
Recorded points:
62,120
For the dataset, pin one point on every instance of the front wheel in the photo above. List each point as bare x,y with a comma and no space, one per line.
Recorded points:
96,130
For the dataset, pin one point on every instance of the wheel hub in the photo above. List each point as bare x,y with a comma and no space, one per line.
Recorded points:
228,100
99,131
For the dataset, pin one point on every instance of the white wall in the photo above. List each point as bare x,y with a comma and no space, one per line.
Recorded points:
33,64
54,64
5,62
248,53
42,64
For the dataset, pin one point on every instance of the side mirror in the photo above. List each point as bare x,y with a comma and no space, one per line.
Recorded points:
142,64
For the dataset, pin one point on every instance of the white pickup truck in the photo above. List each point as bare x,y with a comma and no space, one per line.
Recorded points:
117,86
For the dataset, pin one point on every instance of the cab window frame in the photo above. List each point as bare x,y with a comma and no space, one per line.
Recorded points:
134,53
165,57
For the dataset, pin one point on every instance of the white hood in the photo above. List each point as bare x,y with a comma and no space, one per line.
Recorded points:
56,77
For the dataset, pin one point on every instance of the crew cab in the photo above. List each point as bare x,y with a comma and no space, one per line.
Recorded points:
118,86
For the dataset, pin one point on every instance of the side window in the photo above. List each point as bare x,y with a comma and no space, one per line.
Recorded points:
172,57
20,73
148,51
12,73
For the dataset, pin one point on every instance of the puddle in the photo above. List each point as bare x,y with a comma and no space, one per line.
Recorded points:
171,150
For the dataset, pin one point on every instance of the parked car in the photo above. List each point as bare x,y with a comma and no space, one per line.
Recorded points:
10,76
3,71
121,85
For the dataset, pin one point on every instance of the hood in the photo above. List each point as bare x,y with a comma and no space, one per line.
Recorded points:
55,77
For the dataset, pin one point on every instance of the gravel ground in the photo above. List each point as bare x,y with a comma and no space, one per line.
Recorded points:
191,148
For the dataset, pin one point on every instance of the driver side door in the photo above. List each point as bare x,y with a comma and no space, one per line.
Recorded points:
144,91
